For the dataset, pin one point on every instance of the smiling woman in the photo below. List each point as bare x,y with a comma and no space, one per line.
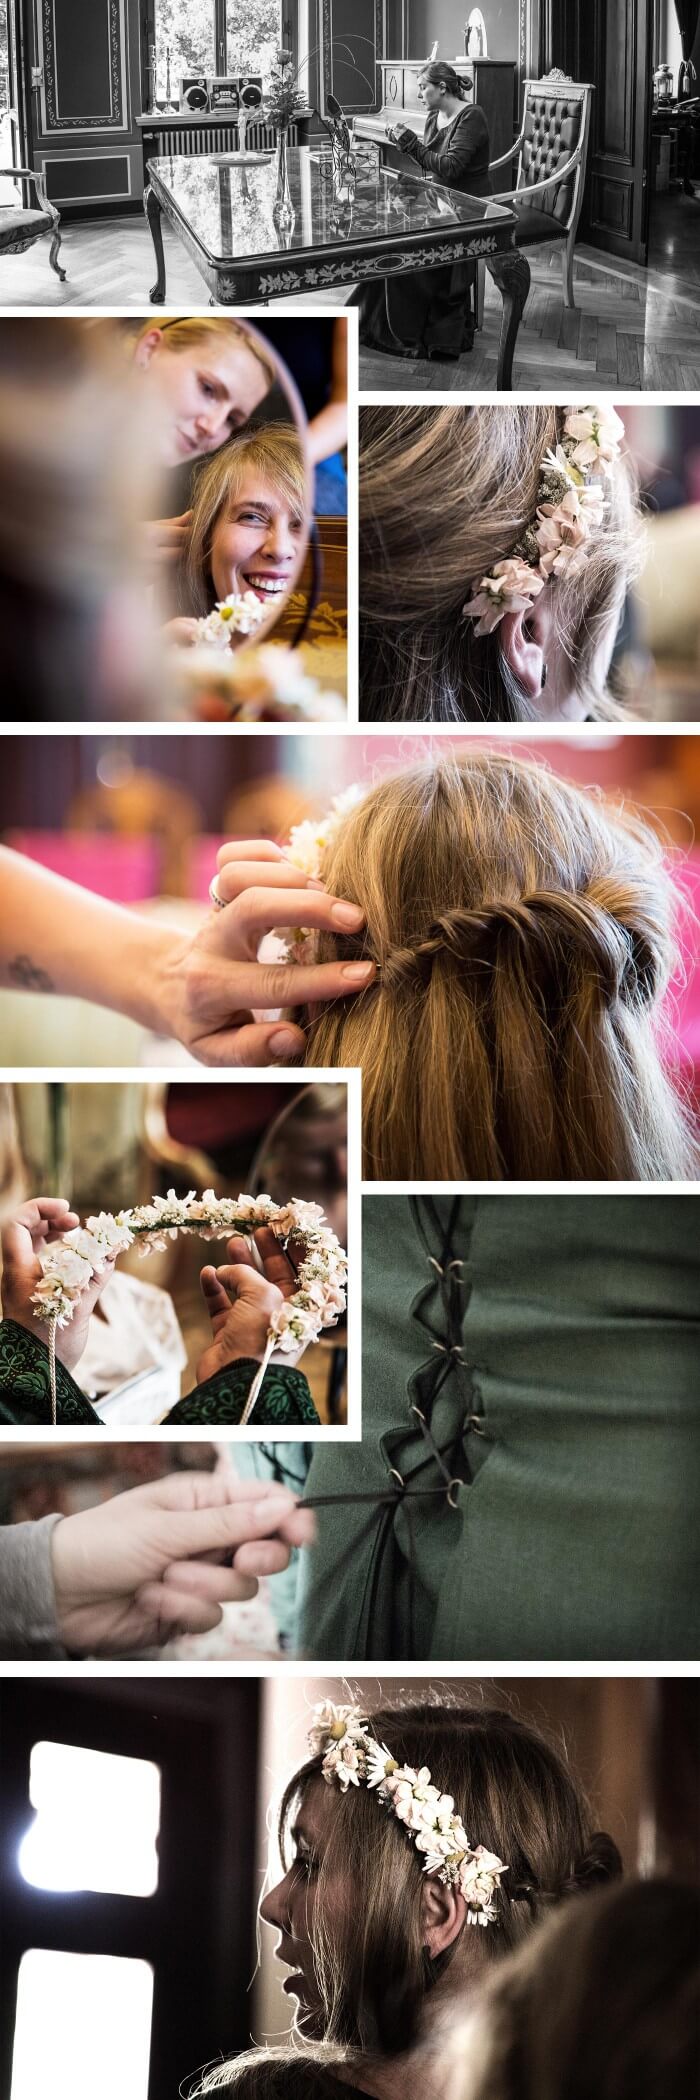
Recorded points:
249,523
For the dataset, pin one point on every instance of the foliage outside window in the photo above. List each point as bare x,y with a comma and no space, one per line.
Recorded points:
188,27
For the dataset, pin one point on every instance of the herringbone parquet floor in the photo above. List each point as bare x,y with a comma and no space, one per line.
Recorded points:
631,328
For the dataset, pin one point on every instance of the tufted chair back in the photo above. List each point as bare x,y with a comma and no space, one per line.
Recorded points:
551,133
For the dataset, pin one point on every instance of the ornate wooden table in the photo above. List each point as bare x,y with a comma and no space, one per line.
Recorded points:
226,215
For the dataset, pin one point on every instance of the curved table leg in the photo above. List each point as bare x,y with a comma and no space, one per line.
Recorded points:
153,214
512,275
55,249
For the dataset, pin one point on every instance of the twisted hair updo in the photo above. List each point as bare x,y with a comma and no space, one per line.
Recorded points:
525,936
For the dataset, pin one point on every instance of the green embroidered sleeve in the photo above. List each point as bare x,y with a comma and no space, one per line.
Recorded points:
284,1397
25,1392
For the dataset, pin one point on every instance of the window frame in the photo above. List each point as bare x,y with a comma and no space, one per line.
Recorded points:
197,1929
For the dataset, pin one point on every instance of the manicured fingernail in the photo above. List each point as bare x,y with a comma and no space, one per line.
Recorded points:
358,973
283,1042
347,914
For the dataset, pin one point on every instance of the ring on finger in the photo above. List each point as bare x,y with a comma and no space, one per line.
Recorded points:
218,902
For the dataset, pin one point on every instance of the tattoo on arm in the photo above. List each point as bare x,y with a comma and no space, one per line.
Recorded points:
23,972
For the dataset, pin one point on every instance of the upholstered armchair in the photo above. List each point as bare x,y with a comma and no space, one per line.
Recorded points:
23,222
551,151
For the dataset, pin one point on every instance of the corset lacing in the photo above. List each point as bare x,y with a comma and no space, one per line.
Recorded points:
423,1462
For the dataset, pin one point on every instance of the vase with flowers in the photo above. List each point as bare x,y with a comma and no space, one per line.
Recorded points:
283,102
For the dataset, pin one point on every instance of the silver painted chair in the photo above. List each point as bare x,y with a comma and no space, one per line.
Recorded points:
22,222
551,152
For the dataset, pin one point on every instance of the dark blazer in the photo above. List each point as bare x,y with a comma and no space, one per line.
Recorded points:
457,154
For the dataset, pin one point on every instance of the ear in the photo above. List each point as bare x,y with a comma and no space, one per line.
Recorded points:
443,1914
526,638
148,346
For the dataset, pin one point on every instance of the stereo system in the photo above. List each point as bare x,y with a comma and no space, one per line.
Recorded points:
200,92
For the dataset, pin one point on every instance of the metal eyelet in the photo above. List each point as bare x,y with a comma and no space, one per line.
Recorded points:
442,1346
450,1494
394,1474
435,1264
476,1424
455,1265
414,1410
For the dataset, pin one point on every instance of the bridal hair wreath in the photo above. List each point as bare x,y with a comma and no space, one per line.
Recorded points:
352,1756
569,508
70,1263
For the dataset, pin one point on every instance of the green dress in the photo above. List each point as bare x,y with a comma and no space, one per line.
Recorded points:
552,1370
25,1391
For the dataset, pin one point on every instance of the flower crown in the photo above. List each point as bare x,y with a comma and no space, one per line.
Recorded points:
569,507
353,1757
70,1263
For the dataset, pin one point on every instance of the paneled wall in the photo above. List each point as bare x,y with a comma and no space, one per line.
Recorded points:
445,19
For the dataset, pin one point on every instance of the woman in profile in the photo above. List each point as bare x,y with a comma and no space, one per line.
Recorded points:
381,1946
429,314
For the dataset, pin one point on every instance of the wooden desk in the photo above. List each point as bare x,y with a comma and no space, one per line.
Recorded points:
224,214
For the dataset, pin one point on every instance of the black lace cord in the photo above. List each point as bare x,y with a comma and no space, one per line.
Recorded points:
424,1388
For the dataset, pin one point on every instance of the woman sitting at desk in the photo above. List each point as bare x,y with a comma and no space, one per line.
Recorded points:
429,314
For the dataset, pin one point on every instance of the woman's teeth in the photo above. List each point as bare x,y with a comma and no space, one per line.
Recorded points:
271,585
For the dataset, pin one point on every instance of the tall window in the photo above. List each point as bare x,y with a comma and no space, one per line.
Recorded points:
198,32
253,35
185,28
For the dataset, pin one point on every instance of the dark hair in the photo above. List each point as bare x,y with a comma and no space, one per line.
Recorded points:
443,75
605,2002
516,1797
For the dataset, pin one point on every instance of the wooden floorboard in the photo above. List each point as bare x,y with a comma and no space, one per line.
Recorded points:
630,328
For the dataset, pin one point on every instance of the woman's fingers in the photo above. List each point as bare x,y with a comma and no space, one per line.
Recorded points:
241,1253
215,1297
218,1585
259,908
257,984
276,1263
256,1044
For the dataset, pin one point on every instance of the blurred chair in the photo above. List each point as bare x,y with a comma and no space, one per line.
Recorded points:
199,1133
22,223
552,148
141,803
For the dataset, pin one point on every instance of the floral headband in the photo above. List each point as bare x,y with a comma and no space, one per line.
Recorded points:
353,1757
70,1262
569,507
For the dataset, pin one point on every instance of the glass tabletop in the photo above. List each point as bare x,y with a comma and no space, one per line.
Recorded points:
229,206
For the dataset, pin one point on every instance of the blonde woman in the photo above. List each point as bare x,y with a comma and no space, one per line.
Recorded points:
205,376
524,933
248,526
449,495
379,1950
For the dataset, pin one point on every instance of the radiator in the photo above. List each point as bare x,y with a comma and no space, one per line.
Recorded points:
218,138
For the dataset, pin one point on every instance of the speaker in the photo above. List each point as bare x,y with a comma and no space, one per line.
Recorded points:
194,93
236,90
251,91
